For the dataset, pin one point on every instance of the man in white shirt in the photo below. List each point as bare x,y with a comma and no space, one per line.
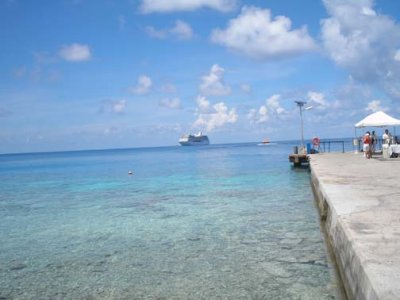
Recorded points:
386,137
385,144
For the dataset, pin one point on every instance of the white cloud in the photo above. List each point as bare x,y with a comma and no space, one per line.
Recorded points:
203,105
156,33
143,85
213,83
111,106
363,42
163,6
210,117
181,31
271,108
75,53
274,105
317,100
174,103
351,96
255,34
368,11
258,116
397,55
263,114
252,115
375,106
119,106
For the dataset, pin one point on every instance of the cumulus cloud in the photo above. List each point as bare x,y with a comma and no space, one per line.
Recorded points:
75,53
351,96
111,106
258,116
174,103
363,42
210,116
119,106
317,100
397,56
375,106
252,115
213,83
203,105
143,85
271,108
181,31
162,6
273,103
156,33
255,34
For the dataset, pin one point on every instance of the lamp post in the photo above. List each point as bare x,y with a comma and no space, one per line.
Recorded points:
300,104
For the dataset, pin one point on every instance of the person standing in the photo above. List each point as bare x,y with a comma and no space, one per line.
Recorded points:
386,137
385,144
367,145
374,141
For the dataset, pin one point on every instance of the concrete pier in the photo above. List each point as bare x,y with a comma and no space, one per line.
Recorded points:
359,201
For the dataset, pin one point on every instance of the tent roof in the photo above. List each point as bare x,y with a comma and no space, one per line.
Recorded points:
378,119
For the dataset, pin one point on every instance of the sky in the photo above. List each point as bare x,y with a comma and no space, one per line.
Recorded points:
86,74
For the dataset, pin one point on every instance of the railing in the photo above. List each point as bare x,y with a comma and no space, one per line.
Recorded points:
327,144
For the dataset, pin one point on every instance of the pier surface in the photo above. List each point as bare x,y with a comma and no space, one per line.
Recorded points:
359,201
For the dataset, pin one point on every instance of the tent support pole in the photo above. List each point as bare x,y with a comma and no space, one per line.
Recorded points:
355,139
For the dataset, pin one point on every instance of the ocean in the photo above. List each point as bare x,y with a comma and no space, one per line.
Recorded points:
232,221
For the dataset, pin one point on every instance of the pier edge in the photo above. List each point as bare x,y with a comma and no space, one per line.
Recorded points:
350,266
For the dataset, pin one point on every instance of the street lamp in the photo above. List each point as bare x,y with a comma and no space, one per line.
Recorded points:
300,104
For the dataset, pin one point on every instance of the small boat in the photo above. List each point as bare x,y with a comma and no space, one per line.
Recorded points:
194,140
265,141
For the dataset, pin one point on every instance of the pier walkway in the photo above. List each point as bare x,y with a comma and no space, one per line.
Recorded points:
359,201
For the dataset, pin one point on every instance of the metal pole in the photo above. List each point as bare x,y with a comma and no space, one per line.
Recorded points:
300,104
302,132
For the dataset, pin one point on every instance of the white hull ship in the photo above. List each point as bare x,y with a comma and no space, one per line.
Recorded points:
194,140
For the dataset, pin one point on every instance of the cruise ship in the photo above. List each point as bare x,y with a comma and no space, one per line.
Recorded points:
194,140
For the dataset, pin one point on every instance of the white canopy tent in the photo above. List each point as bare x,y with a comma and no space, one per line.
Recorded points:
378,119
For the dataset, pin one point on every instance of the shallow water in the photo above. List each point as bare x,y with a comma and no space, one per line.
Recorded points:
213,222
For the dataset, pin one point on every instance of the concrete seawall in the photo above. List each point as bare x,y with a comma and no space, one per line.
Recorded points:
359,201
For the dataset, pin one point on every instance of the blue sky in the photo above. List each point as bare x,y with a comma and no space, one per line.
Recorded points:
84,74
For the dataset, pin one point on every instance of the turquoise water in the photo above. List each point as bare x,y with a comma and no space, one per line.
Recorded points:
213,222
